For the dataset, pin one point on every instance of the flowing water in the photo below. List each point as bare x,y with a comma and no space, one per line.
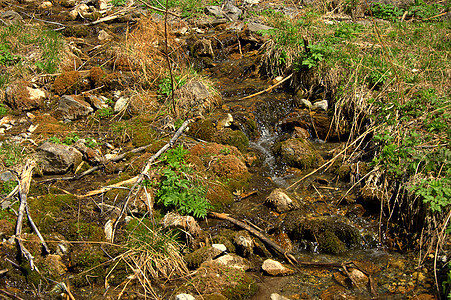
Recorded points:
391,274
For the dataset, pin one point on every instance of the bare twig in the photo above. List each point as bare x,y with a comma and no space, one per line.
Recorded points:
258,234
268,89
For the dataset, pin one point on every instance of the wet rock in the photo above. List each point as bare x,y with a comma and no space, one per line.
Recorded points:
223,120
275,296
334,292
299,153
197,257
333,234
244,243
283,240
275,268
57,158
54,265
203,48
23,97
72,108
358,278
10,17
233,261
280,201
184,297
321,105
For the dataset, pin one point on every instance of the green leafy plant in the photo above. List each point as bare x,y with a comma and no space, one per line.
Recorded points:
435,193
165,88
104,113
55,140
6,58
178,189
3,109
71,139
386,11
118,2
90,143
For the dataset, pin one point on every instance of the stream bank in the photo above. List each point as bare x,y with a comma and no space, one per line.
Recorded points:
248,151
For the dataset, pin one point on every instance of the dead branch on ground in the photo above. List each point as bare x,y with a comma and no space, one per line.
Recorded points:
24,187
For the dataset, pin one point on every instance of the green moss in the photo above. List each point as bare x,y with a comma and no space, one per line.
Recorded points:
86,231
203,129
231,137
243,290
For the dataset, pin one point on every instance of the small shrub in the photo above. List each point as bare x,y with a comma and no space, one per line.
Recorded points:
104,113
386,11
177,189
3,109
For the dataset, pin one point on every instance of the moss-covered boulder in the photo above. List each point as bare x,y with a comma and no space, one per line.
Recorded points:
332,234
216,278
298,153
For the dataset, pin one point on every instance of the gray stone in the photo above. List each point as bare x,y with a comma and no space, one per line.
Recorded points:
215,11
220,247
7,176
72,108
305,103
57,158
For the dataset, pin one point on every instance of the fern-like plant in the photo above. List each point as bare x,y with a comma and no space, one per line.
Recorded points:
178,189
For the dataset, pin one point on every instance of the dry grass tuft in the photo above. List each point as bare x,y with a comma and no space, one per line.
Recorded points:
145,50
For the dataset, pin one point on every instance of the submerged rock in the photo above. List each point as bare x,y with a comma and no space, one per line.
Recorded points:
57,158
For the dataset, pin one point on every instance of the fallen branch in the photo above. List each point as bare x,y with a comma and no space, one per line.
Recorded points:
24,187
258,234
145,171
268,89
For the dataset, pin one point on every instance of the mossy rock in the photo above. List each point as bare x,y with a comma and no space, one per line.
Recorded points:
67,83
226,237
218,195
196,258
333,234
216,278
298,153
203,129
231,137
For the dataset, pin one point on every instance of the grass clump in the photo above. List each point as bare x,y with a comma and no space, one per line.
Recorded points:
178,188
